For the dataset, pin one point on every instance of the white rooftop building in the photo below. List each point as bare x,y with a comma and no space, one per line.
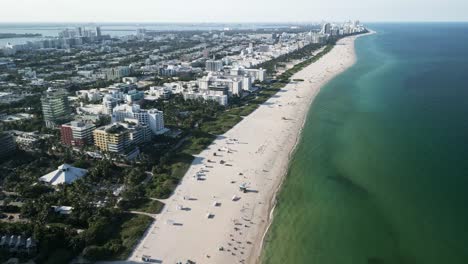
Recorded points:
213,65
156,92
65,174
205,95
235,84
152,118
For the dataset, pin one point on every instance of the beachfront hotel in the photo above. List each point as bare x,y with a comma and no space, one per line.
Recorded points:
122,138
113,138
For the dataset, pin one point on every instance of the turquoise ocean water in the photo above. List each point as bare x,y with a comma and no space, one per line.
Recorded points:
381,172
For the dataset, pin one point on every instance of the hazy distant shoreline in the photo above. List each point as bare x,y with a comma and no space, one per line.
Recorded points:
16,35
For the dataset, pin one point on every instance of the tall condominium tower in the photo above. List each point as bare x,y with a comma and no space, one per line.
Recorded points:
55,107
98,32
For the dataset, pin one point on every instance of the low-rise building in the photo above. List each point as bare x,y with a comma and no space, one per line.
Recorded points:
219,98
65,174
14,243
155,93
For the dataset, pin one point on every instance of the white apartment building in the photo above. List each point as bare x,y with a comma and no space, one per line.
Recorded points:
235,84
92,95
109,102
219,98
117,73
256,74
156,92
152,118
156,121
213,66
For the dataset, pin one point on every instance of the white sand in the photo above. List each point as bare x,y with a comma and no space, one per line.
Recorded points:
264,141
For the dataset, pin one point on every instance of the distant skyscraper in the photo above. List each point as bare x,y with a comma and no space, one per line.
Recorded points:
326,28
141,33
98,32
55,108
80,31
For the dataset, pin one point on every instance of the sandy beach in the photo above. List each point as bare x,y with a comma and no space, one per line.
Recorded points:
209,219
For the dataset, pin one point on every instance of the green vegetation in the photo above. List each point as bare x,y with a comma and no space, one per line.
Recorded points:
113,238
143,205
298,67
280,61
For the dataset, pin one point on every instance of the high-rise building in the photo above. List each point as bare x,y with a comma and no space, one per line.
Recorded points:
7,144
55,107
98,32
77,134
141,32
326,28
214,65
247,83
156,121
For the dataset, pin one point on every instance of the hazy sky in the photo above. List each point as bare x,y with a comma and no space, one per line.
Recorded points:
231,11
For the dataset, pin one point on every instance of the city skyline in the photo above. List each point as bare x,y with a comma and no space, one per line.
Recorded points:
243,11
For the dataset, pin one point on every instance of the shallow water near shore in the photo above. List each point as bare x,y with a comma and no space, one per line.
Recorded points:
381,172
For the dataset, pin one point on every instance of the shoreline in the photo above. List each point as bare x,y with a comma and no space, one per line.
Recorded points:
257,254
256,153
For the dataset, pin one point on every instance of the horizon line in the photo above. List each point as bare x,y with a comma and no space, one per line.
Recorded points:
233,22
